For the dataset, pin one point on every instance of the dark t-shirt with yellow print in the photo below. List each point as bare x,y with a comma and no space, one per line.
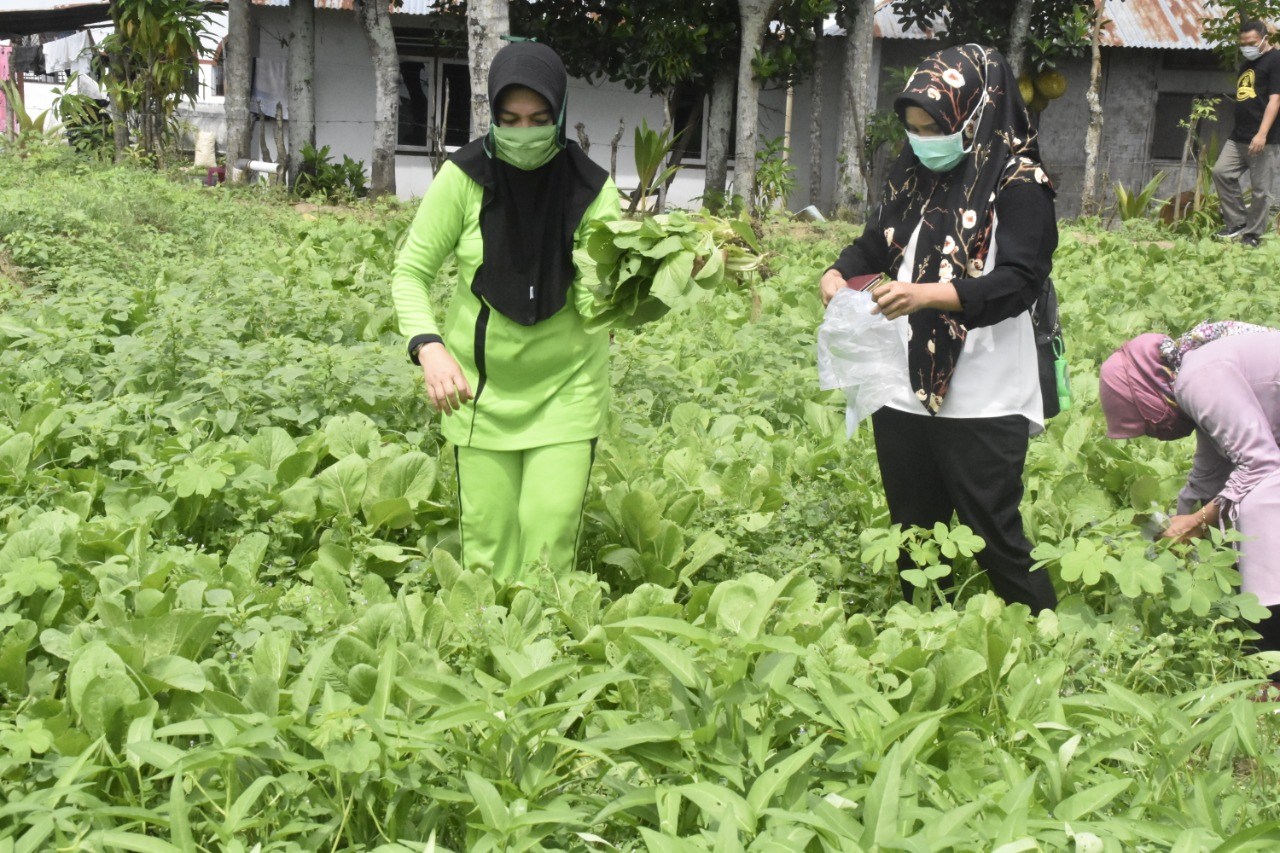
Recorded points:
1255,83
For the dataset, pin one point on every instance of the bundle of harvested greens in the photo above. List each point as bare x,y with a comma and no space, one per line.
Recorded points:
638,270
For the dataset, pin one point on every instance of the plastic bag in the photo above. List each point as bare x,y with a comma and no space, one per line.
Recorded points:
859,353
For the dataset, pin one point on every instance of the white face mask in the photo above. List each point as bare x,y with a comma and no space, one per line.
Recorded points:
1251,52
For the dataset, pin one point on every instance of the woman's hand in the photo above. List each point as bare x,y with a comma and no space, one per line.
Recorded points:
1192,525
832,283
1184,528
896,299
447,388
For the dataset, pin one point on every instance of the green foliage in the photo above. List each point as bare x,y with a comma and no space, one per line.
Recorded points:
28,131
232,616
638,270
320,177
1131,205
652,150
775,175
87,124
1222,20
1059,28
148,63
661,45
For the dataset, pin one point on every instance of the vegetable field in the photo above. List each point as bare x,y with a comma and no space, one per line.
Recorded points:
232,616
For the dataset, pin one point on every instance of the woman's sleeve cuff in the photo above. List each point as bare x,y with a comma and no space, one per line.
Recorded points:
420,341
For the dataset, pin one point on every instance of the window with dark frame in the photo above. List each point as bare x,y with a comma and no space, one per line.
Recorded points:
431,87
684,104
1168,137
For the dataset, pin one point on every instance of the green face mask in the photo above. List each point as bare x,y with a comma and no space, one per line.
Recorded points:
938,153
525,147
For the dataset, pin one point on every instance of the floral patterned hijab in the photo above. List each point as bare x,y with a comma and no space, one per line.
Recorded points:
955,209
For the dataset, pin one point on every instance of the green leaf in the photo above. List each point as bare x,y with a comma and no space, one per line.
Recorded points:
343,484
333,563
294,467
241,808
390,513
493,812
116,839
192,478
245,559
1264,836
179,819
411,476
93,660
673,284
1090,800
625,737
778,776
270,447
674,660
15,455
176,673
745,233
350,434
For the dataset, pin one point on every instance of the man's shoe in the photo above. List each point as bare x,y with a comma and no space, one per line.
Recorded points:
1226,232
1250,241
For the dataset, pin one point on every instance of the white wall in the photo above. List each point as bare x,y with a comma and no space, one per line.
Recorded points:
344,107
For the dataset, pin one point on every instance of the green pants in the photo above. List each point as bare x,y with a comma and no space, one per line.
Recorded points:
518,508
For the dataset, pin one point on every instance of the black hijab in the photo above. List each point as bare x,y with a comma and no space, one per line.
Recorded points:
528,218
955,209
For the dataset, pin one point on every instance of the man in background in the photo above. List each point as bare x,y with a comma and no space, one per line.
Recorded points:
1254,142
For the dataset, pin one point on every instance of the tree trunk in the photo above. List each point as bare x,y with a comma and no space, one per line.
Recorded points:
375,20
120,130
1019,31
815,119
238,68
282,150
1089,201
719,128
487,22
613,150
855,104
302,72
260,116
753,15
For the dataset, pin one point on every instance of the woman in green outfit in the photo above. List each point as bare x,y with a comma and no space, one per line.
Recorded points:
523,387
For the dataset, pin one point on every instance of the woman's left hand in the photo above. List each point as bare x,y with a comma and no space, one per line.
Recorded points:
896,299
1184,528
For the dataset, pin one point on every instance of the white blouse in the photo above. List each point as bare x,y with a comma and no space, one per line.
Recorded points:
997,373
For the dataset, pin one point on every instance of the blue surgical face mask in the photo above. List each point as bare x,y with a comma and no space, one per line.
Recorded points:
1251,52
944,153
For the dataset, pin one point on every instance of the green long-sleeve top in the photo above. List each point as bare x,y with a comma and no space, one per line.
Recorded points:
543,384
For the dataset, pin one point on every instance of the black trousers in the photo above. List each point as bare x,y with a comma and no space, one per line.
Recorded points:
1269,628
933,467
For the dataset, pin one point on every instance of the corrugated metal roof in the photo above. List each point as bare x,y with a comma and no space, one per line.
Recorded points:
26,17
46,5
1156,23
1133,23
408,7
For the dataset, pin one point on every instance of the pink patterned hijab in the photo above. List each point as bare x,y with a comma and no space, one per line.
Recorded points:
1136,391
